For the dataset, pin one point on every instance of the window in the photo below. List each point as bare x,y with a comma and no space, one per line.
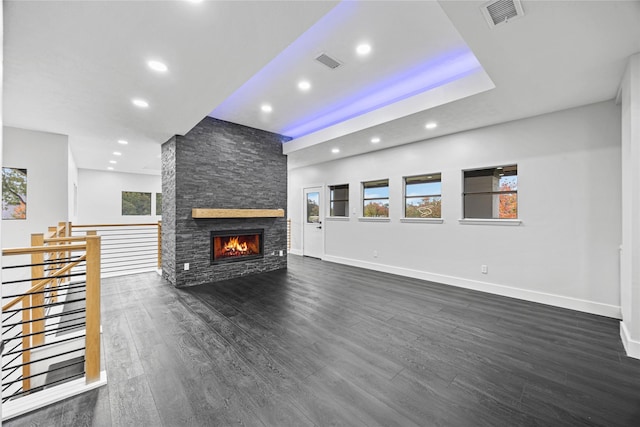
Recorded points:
339,200
491,193
422,196
376,199
135,203
158,203
14,193
313,207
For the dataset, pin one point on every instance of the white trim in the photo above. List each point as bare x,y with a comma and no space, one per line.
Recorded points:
20,406
293,251
487,221
374,219
631,346
337,218
492,288
423,220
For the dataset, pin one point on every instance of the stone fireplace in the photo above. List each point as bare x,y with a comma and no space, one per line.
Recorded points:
222,182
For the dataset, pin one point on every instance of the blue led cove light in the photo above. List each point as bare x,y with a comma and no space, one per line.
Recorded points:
424,77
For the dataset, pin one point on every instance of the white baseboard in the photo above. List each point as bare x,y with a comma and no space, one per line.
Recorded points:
492,288
295,252
20,406
632,347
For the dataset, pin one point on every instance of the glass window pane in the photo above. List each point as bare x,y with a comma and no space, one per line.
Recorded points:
423,189
313,207
423,207
376,208
508,183
158,203
340,192
340,208
491,206
507,205
376,193
136,203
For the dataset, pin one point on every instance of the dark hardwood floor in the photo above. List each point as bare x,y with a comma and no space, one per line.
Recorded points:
324,344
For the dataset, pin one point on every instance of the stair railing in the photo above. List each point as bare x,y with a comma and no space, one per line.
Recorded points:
59,264
126,248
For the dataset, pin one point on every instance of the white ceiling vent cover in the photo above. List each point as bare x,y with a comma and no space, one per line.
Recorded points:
501,11
325,59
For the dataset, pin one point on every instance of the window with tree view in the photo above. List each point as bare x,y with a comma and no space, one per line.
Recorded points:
135,203
491,193
376,198
423,196
14,193
158,203
313,207
339,200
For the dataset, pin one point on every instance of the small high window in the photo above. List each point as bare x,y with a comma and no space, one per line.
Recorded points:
375,199
423,196
339,200
136,203
491,193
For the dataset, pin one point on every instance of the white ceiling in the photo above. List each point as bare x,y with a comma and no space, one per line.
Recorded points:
72,67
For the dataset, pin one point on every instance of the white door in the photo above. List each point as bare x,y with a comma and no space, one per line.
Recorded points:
312,244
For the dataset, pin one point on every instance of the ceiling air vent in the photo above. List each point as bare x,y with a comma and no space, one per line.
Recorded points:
328,61
501,11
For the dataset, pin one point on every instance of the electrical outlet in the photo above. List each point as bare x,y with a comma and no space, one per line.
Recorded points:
281,253
484,269
375,254
186,266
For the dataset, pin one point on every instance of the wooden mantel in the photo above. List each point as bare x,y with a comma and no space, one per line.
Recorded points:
236,213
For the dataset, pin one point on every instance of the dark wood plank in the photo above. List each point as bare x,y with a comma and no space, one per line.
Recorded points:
325,344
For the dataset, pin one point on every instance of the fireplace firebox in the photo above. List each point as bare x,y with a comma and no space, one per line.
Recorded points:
236,245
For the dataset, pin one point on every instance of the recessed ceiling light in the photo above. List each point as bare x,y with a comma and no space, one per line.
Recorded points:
140,103
431,125
123,142
375,140
110,168
266,108
117,153
157,66
335,150
304,85
363,49
194,1
113,162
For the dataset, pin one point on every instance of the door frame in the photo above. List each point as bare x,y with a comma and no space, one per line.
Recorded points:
321,214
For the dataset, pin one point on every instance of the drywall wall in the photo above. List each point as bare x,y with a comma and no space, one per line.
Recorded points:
45,156
72,188
100,196
564,252
630,182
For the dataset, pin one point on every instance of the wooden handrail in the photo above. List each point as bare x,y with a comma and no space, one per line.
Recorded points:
37,249
39,285
113,225
65,239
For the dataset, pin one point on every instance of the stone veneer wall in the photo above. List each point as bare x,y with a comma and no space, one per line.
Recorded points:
220,165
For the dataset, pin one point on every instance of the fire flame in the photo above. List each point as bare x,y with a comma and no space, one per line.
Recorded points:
234,245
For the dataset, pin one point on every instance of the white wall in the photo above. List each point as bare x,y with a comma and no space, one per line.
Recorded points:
72,187
630,248
564,253
100,196
46,158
